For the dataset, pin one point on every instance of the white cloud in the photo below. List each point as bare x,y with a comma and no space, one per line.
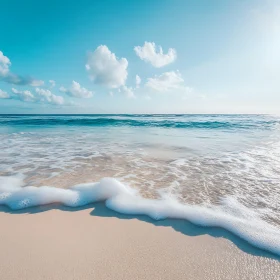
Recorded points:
52,83
4,64
137,81
128,92
11,78
77,91
41,96
154,55
106,69
36,83
45,95
4,94
167,81
24,95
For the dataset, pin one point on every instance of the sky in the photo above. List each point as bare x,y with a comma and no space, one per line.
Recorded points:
148,56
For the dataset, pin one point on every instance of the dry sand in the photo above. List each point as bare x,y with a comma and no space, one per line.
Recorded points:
97,243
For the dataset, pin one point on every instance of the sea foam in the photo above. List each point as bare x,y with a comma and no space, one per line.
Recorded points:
230,214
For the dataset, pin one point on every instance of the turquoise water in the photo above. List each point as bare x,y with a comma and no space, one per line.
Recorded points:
214,170
164,121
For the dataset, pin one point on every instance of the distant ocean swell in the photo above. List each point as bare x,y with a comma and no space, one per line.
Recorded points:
141,121
123,199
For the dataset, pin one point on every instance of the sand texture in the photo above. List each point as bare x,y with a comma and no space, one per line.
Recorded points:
97,243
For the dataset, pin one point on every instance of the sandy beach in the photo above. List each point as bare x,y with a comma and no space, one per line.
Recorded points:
96,243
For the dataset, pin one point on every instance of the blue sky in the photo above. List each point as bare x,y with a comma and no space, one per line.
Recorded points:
217,56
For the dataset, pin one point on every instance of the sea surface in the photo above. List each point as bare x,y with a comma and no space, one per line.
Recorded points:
212,170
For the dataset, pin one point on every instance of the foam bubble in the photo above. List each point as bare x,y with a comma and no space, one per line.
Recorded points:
230,215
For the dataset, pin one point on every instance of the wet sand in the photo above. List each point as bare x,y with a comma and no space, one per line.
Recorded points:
97,243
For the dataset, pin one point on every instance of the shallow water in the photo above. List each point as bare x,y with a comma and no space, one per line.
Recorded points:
224,170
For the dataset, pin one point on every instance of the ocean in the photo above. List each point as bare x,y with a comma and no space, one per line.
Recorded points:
212,170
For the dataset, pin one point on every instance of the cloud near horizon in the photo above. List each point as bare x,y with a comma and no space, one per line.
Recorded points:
42,96
46,96
11,78
23,95
106,69
4,94
154,54
167,81
77,91
128,91
4,64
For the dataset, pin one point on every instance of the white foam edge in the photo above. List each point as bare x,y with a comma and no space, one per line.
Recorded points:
230,215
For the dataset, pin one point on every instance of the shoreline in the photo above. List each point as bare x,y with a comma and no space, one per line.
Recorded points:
59,242
124,200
